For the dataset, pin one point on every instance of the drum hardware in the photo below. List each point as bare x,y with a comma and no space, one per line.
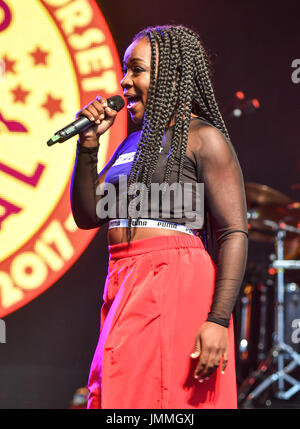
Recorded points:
292,315
263,220
280,350
246,334
264,202
253,328
287,265
273,218
262,338
246,304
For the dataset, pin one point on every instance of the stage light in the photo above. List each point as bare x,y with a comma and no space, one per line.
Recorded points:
237,112
256,103
243,345
239,105
251,106
240,95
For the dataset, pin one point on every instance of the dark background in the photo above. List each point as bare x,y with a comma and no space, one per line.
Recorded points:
51,341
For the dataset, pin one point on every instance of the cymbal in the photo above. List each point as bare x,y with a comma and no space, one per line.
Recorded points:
269,204
289,213
257,194
271,211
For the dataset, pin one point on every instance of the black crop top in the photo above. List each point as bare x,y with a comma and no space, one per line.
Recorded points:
178,205
210,159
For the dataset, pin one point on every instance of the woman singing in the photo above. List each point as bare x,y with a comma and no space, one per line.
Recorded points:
166,337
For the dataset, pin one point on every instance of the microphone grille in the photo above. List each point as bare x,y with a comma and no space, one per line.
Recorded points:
116,102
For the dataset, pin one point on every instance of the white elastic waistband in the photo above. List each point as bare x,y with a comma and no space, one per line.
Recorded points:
151,223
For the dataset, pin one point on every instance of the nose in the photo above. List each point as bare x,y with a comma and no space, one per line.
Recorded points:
126,81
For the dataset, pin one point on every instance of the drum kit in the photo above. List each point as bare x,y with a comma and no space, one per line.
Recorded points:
268,339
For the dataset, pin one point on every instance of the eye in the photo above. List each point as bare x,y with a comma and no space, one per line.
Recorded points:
137,70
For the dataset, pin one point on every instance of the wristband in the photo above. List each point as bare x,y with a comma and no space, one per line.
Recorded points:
84,149
222,322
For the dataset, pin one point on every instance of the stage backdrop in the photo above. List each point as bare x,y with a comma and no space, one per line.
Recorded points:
55,56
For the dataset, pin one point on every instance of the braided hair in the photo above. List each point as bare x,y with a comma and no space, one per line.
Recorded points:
182,85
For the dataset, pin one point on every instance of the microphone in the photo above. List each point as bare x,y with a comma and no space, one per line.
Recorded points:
82,123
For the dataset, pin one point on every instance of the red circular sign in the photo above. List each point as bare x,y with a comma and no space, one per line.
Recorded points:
55,57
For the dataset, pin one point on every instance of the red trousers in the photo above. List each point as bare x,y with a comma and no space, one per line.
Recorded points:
157,295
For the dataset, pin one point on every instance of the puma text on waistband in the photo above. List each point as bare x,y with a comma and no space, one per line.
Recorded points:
151,223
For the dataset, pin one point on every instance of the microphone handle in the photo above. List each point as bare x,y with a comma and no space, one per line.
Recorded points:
77,126
80,124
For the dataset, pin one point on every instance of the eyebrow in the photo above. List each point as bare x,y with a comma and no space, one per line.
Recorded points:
135,59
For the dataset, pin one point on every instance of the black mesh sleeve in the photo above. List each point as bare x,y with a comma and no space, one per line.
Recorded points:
85,180
225,194
83,187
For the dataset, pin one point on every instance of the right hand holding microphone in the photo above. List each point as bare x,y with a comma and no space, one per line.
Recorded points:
101,112
103,117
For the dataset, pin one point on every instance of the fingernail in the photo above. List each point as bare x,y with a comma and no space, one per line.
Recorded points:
101,116
97,121
196,376
206,378
92,118
222,372
193,355
201,380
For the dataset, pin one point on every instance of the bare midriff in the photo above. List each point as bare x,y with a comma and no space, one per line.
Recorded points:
119,235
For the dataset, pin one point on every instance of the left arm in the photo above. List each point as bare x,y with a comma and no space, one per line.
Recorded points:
225,194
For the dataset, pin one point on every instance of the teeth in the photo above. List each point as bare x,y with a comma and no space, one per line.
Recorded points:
132,101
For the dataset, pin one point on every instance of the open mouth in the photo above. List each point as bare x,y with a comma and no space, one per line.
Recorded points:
132,101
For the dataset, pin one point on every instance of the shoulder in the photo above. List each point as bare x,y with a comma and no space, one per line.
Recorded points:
208,141
205,134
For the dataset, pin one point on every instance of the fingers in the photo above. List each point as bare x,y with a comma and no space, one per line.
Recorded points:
110,113
98,110
213,346
225,361
203,359
197,349
209,362
102,106
95,111
93,114
212,364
